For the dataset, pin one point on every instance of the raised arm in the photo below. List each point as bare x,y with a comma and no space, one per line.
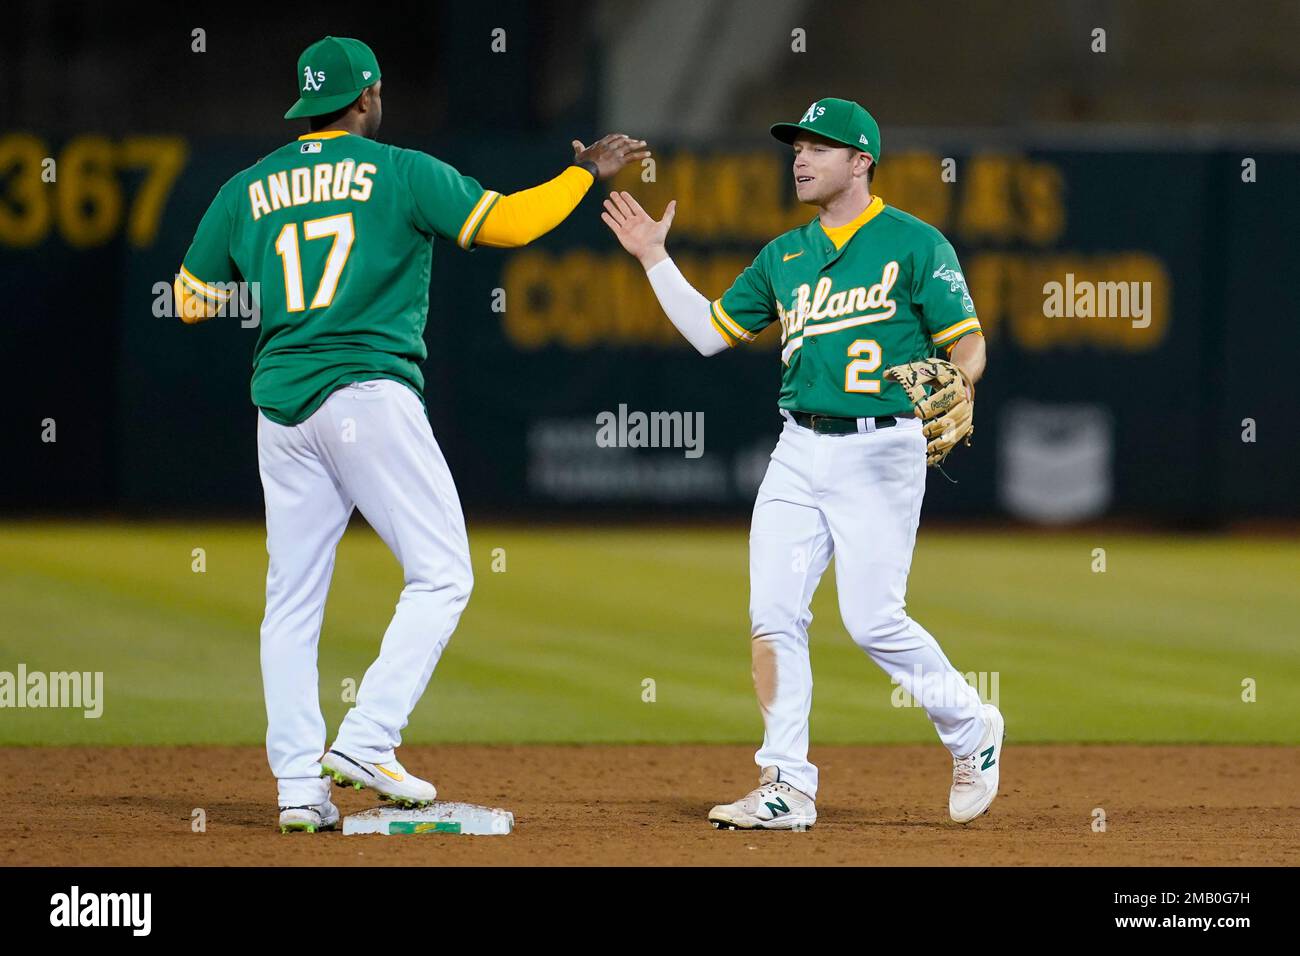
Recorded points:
644,238
519,218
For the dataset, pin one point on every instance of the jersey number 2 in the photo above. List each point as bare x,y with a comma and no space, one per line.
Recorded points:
853,380
286,247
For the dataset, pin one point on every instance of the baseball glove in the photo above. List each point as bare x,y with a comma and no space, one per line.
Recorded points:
947,410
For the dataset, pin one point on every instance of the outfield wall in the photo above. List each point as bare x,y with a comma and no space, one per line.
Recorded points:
1141,415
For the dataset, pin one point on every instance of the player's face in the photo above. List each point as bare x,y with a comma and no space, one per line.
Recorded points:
822,168
375,114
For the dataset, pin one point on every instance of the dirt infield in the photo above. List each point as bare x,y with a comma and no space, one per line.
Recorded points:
637,805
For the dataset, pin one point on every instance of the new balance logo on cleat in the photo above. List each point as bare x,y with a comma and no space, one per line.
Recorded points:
975,781
779,807
787,808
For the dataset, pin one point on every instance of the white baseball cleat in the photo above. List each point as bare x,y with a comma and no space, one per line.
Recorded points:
975,777
324,816
773,806
390,781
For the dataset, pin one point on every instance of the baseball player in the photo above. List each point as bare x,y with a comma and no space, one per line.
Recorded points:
866,296
338,229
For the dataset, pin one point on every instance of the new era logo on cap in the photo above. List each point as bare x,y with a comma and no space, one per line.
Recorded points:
862,138
365,74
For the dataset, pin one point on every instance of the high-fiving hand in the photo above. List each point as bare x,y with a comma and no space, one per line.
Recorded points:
610,153
636,231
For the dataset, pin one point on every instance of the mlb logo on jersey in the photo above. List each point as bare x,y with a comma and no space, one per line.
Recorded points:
310,147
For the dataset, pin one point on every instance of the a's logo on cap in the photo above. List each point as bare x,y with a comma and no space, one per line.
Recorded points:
312,81
814,111
365,74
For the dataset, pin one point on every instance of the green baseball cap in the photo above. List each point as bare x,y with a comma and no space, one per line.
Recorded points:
841,120
331,74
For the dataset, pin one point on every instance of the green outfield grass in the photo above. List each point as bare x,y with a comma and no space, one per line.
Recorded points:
556,648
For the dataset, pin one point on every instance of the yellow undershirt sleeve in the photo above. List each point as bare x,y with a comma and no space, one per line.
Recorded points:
521,217
190,307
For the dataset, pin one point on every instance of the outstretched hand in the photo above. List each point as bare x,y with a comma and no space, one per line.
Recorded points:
610,153
636,231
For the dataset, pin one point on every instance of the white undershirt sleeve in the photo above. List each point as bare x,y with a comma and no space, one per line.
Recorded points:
685,307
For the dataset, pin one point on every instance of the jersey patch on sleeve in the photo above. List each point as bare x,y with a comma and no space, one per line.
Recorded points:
955,282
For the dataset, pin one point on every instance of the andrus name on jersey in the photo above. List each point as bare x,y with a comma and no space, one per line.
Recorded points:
309,184
811,305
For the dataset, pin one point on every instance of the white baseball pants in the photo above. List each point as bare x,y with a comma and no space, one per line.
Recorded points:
369,446
857,497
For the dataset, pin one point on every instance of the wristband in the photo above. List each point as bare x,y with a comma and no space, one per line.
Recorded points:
589,166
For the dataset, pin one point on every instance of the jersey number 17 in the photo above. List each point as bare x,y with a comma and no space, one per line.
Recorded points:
286,247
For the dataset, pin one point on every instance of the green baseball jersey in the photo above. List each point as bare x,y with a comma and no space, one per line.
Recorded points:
337,233
893,293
